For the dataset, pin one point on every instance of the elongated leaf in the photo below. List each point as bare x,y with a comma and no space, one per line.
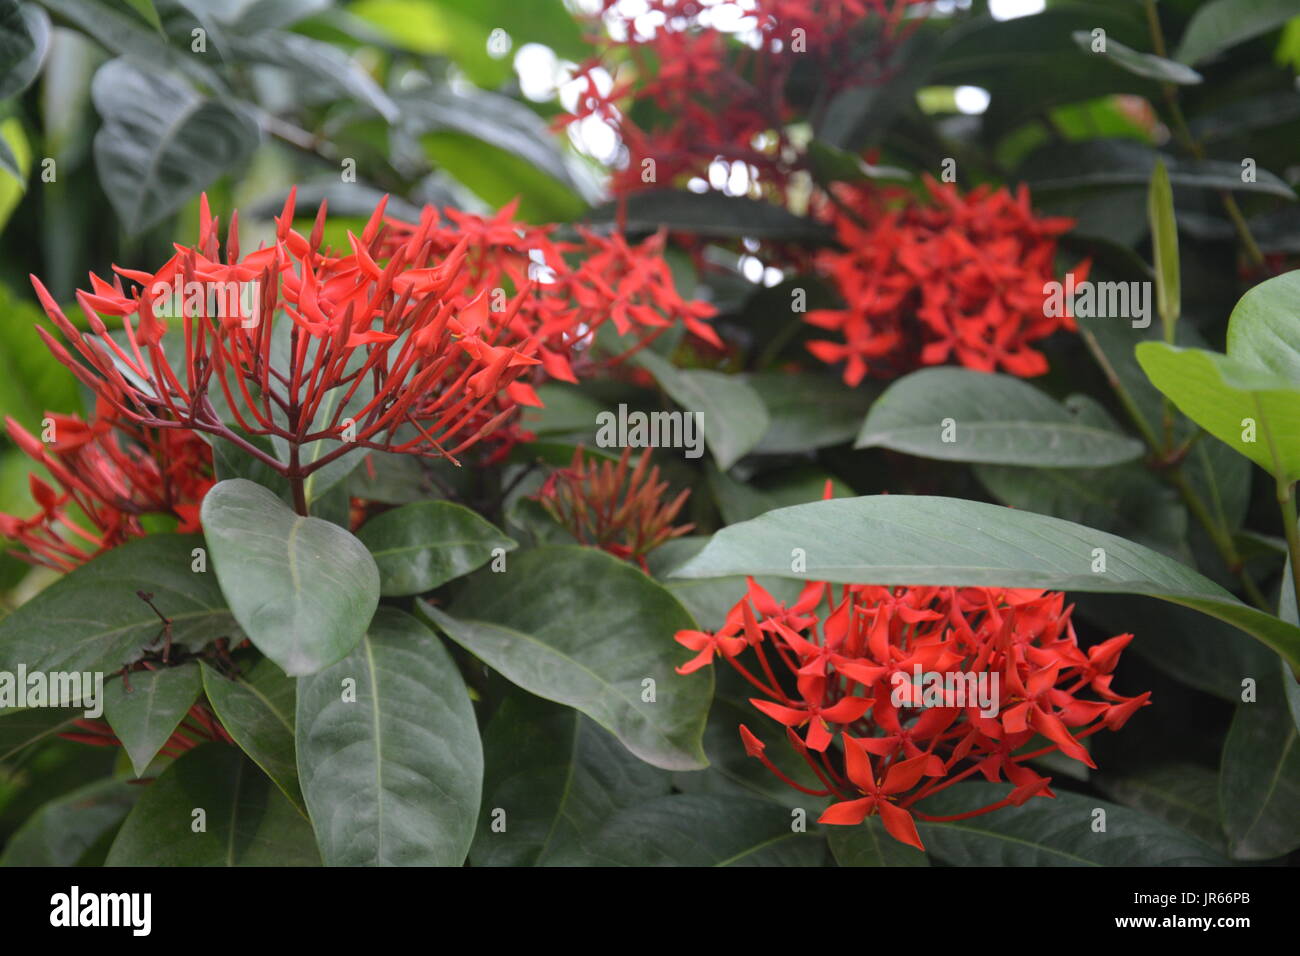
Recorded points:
1164,247
93,619
1141,64
24,41
161,142
1259,779
1064,831
1183,794
1220,24
146,715
919,540
66,827
733,416
246,821
957,414
711,214
580,627
321,64
389,756
552,778
424,544
697,830
257,710
20,729
869,845
303,589
1249,409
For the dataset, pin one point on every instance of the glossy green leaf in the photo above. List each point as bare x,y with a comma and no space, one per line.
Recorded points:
66,827
1183,794
303,589
389,756
1140,64
582,628
924,540
420,546
1251,410
257,710
1259,778
552,778
24,41
956,414
697,830
144,716
1262,330
93,620
1219,24
1060,831
868,844
731,413
246,820
161,142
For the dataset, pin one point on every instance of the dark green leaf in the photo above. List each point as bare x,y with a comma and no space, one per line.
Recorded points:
62,830
24,41
389,756
1219,24
246,820
580,627
425,544
1140,64
869,845
146,715
1182,794
303,589
1259,781
807,411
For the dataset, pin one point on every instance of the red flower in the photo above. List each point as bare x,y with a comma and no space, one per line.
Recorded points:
996,667
971,268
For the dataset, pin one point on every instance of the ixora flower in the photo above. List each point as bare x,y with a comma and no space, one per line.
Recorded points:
608,506
110,473
951,278
334,348
920,687
709,92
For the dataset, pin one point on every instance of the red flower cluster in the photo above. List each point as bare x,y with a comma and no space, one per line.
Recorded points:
716,97
628,285
971,268
112,473
605,505
198,726
997,669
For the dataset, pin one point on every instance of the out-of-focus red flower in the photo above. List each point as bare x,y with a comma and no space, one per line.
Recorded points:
613,507
839,669
708,88
950,279
111,473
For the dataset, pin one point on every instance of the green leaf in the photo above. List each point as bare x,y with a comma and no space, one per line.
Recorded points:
709,599
582,628
1164,247
146,715
1053,832
697,830
1121,162
733,416
389,755
425,544
711,214
807,411
1262,330
1233,401
1140,64
869,845
93,620
62,830
1219,24
303,589
923,540
257,710
957,414
161,142
557,776
24,41
318,64
1259,778
247,821
1182,794
20,729
146,9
